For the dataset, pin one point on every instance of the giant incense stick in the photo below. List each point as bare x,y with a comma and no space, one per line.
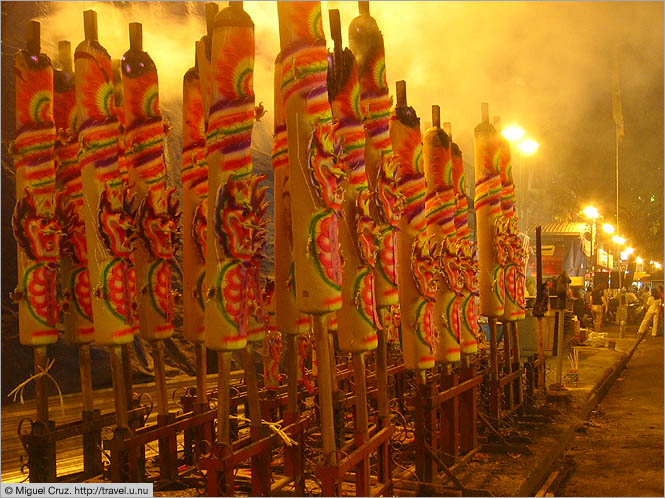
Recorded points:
155,207
77,311
357,320
194,175
440,211
514,307
237,208
491,254
33,221
106,206
288,320
366,43
315,180
415,288
466,256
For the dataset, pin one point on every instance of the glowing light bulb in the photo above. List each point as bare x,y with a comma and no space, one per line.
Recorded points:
513,133
528,146
591,212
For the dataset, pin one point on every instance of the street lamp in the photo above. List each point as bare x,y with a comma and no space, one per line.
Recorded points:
528,146
617,239
607,228
592,213
513,133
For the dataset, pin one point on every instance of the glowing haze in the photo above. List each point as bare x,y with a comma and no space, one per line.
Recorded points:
543,65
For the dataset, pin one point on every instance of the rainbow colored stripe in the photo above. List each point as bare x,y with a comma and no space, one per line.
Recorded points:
280,148
33,151
99,150
410,178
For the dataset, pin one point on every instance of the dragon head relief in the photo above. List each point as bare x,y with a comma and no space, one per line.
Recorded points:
73,242
240,217
366,228
389,198
451,264
423,265
469,264
157,220
199,228
501,240
115,220
37,231
326,168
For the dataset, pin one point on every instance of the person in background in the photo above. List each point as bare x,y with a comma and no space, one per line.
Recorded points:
653,311
662,302
578,305
622,309
598,305
630,296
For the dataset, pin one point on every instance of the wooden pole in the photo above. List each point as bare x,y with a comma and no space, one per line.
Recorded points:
41,387
517,393
261,462
223,399
135,36
468,408
325,390
201,374
539,299
33,44
292,373
118,386
361,423
65,56
252,386
382,370
507,363
495,397
85,372
90,25
127,374
160,377
559,350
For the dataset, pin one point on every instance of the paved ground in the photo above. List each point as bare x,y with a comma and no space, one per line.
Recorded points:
619,451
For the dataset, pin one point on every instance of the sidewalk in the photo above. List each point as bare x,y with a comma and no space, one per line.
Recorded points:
520,475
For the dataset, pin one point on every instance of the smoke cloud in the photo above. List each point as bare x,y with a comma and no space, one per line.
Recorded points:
544,65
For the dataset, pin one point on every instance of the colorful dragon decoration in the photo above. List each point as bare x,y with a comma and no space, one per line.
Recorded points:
194,176
34,224
467,259
76,301
107,204
316,177
234,312
287,317
358,319
156,208
515,256
415,289
440,212
488,211
366,43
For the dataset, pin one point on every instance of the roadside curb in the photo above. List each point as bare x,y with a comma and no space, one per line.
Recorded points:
530,486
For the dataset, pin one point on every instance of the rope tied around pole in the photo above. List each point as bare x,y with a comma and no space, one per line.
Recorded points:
17,392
